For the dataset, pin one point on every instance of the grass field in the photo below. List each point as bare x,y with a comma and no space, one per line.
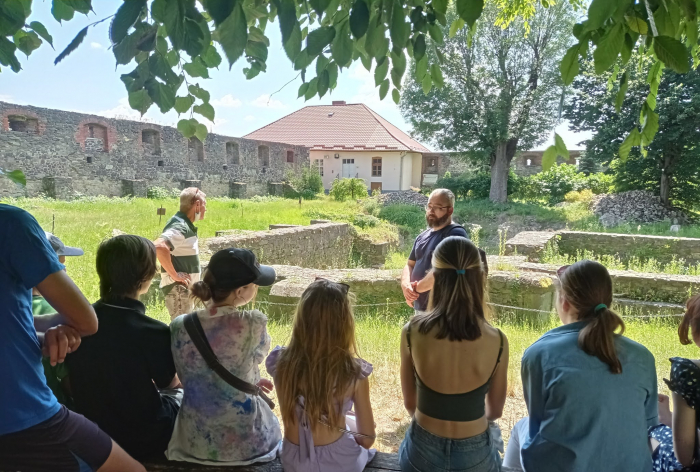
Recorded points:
88,221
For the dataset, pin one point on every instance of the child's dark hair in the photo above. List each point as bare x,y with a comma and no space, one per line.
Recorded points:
691,321
124,263
587,286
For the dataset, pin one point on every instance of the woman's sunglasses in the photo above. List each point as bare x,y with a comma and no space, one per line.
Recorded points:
343,287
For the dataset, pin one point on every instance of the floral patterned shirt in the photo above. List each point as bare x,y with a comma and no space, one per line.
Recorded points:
218,424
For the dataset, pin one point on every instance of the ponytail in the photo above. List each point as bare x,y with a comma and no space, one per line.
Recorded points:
585,285
597,338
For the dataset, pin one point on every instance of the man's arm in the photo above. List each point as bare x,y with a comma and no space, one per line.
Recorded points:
409,294
163,255
426,283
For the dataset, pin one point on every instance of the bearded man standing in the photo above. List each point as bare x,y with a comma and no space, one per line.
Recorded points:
417,277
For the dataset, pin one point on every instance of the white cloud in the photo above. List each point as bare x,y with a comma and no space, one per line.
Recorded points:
5,98
367,92
249,118
264,101
227,101
122,110
95,45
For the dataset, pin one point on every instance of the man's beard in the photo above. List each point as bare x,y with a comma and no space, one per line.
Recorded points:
435,221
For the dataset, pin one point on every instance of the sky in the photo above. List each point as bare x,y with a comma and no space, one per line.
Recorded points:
88,82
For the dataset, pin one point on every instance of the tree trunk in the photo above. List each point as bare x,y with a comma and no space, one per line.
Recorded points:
500,167
665,186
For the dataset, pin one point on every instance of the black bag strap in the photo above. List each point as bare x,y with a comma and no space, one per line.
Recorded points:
196,332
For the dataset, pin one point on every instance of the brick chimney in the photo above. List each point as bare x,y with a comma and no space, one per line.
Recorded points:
338,103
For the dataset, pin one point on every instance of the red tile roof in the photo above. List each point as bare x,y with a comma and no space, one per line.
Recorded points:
351,127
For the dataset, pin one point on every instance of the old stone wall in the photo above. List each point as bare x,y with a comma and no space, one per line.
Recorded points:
317,246
661,248
96,154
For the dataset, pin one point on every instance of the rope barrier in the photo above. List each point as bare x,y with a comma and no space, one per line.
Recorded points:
532,310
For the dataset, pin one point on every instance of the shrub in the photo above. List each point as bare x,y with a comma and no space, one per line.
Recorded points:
407,217
601,183
366,221
372,206
554,184
343,189
307,184
477,185
582,196
162,193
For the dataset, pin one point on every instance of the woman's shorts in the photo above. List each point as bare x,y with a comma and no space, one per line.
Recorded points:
66,442
422,451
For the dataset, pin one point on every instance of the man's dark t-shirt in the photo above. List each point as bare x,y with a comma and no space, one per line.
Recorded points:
112,378
422,253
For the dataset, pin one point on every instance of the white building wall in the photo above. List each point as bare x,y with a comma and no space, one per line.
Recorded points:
392,178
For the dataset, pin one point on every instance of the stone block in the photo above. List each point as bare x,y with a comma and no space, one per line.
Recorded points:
275,189
529,244
282,226
237,189
190,183
319,222
60,188
134,188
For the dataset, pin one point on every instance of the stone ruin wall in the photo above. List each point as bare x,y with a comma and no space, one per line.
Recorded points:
320,246
63,153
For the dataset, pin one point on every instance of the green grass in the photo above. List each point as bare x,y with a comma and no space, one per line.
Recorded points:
88,221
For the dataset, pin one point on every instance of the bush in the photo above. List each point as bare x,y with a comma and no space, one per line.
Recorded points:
343,189
477,185
408,217
555,184
372,207
162,193
308,184
582,196
366,221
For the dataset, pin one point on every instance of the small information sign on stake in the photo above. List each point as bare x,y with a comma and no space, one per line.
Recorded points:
160,212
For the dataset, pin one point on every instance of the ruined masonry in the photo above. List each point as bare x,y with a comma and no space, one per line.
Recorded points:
63,153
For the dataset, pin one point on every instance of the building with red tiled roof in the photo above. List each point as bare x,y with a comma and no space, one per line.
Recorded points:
351,140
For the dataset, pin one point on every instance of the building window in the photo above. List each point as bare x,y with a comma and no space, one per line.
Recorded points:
264,156
161,163
290,156
432,162
376,167
529,162
318,163
232,153
195,149
89,159
150,140
23,124
578,162
95,138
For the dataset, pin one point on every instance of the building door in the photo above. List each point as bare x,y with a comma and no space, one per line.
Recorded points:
376,186
348,168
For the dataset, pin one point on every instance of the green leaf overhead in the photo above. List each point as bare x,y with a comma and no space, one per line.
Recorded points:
620,98
16,176
318,39
400,29
126,16
182,104
72,45
342,46
381,71
470,10
161,94
140,101
598,12
608,48
359,19
569,65
549,158
633,139
41,30
187,127
233,35
206,110
672,53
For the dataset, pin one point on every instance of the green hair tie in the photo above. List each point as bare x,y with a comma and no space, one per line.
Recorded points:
600,307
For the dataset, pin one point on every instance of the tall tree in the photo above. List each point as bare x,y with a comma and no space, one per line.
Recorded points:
501,90
609,105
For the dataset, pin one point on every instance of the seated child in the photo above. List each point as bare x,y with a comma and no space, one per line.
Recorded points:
219,424
318,378
56,375
122,377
